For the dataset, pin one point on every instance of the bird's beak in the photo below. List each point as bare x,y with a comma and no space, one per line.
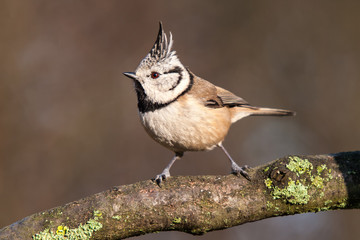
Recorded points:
131,75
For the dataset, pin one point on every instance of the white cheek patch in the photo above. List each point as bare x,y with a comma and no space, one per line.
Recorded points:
167,90
167,82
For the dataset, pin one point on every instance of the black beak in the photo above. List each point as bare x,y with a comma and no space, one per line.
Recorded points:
131,75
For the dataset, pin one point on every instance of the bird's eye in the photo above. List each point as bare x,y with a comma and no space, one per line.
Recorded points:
155,75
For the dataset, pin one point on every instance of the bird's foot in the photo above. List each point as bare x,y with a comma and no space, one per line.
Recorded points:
162,177
235,169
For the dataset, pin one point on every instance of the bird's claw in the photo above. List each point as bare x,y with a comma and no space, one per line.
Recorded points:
162,177
241,170
246,167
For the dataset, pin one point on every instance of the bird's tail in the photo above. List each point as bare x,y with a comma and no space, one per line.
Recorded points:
248,110
261,111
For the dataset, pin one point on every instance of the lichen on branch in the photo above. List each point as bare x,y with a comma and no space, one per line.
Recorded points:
199,204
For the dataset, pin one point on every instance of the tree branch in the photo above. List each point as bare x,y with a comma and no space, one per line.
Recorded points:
198,204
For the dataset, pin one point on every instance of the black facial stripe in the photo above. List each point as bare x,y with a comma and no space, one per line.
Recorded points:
174,70
179,71
145,105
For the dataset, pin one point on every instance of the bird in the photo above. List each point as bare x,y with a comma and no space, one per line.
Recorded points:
184,112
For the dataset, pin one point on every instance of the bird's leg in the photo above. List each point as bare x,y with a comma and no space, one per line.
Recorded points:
235,169
166,172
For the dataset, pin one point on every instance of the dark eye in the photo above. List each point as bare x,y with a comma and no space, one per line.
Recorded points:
155,75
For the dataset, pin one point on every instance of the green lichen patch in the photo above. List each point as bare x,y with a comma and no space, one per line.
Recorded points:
342,204
309,178
97,214
321,168
176,220
116,217
299,165
318,182
294,193
62,230
84,231
271,206
328,202
268,182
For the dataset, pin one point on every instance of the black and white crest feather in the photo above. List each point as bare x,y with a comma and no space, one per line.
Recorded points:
162,47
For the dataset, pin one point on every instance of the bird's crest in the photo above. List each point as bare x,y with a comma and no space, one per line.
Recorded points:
162,47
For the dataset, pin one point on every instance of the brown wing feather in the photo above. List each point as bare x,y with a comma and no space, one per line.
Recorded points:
207,92
230,99
214,96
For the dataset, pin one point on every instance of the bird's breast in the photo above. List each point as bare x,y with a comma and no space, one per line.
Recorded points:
187,125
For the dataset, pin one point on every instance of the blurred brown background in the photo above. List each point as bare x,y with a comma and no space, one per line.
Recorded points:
68,120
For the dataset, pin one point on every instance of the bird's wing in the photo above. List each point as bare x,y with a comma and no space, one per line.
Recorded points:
214,96
206,92
229,99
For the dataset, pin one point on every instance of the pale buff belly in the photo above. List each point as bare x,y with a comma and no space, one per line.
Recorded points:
187,126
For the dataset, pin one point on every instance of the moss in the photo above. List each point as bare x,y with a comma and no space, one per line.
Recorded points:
266,169
299,166
294,193
84,231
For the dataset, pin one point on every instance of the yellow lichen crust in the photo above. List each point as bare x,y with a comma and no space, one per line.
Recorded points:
116,217
176,220
84,231
299,166
321,168
62,230
296,192
268,182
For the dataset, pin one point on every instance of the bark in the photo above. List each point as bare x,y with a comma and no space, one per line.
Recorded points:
198,204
